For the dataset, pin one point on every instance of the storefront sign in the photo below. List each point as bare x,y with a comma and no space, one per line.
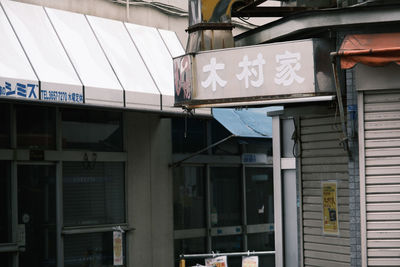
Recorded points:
250,261
271,71
220,261
19,88
330,212
118,252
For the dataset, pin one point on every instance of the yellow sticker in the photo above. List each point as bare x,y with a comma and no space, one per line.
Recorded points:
329,201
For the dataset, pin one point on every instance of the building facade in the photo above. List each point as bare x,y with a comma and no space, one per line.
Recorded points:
90,137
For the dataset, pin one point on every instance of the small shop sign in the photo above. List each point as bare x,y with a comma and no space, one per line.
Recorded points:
118,248
330,211
270,71
220,261
251,261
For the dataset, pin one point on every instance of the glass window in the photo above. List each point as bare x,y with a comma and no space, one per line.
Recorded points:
228,243
263,242
189,198
229,147
226,197
93,194
37,213
259,195
190,246
93,130
94,249
6,259
5,125
195,138
5,202
36,127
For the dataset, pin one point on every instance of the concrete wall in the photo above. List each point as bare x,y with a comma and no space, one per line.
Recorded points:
149,190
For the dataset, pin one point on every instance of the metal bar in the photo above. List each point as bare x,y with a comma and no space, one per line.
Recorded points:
8,247
59,214
361,153
208,206
300,192
253,3
94,229
277,191
344,140
176,164
252,102
271,11
232,254
244,205
312,20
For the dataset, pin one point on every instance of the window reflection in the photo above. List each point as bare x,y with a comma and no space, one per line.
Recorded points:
259,195
5,201
225,196
229,243
195,138
95,250
6,259
189,198
93,130
263,242
190,246
36,127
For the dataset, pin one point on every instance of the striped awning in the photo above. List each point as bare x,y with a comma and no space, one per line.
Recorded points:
377,49
57,56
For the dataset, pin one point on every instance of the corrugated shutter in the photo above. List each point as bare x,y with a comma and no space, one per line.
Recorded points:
93,194
382,176
323,159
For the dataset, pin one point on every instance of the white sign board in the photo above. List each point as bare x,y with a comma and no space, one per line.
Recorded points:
118,248
280,70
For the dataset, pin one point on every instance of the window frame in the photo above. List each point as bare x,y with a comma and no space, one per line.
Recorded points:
57,156
211,161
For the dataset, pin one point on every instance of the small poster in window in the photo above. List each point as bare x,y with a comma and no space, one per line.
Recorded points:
118,252
330,213
220,261
250,261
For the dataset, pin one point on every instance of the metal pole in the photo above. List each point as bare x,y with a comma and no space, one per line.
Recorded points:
127,10
233,254
176,164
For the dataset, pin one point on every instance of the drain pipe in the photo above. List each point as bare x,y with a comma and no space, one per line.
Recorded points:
344,140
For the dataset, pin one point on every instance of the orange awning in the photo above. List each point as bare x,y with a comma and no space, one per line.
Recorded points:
374,50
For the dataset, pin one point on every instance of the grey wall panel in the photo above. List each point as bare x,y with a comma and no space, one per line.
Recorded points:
382,176
323,159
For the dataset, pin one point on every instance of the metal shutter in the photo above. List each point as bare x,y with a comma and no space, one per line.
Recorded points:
323,159
382,176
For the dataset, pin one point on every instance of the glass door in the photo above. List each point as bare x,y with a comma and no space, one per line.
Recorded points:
37,214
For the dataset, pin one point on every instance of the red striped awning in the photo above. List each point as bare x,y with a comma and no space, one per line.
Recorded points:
378,49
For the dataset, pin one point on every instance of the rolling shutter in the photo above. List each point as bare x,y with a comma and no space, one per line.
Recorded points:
323,159
382,176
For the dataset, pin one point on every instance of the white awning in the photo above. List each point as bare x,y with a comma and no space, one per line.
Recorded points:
14,66
140,89
157,59
79,59
58,79
101,84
